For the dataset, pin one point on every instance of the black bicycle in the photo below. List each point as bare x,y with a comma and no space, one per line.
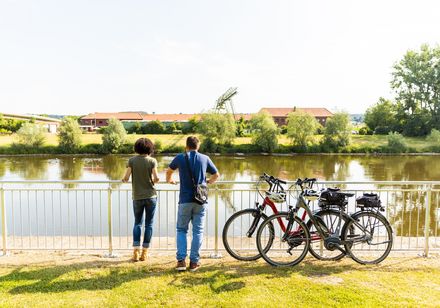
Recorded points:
366,235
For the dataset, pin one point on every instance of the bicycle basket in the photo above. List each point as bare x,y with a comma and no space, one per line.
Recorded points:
276,196
331,196
368,200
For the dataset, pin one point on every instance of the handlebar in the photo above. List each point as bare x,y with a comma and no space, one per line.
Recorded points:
310,182
271,179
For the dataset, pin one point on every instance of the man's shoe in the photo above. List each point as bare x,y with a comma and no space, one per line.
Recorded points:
144,255
194,266
181,266
136,253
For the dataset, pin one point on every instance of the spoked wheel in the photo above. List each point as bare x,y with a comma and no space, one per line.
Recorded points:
329,220
281,252
371,238
239,234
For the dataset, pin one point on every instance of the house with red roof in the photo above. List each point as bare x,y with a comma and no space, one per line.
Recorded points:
280,114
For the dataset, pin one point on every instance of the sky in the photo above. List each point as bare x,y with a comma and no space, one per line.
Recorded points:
179,56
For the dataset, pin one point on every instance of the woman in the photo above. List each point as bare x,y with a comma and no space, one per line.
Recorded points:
143,171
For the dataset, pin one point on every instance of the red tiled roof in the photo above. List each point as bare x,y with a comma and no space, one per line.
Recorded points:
283,112
168,117
116,115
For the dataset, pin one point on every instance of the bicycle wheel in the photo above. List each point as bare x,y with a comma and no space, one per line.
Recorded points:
329,220
371,239
238,238
279,252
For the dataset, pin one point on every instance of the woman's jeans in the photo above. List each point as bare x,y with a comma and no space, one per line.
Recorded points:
195,213
139,206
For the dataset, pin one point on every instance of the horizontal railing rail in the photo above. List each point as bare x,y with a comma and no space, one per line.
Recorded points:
97,215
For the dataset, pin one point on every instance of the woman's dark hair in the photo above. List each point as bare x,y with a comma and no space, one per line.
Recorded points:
192,142
144,146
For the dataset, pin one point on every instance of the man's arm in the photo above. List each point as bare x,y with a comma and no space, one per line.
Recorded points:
127,175
213,178
169,175
155,175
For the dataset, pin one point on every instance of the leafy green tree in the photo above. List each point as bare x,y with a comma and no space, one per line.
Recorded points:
69,135
416,83
337,131
241,127
264,131
382,115
301,128
154,127
114,136
31,135
220,128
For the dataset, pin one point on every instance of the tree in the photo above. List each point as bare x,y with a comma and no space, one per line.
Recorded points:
416,83
301,127
219,128
31,135
241,127
154,127
264,131
191,126
337,131
114,136
381,117
69,135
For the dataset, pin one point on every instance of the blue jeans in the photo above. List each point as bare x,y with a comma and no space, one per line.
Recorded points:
139,206
195,213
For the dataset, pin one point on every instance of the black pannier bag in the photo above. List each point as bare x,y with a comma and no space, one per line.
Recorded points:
331,196
368,200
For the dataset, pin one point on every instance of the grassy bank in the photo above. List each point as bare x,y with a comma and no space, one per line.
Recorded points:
175,143
220,283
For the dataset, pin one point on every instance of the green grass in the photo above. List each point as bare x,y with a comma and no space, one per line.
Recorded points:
221,283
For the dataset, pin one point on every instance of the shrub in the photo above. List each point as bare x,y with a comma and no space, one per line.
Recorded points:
69,136
434,136
264,132
396,143
31,135
191,126
301,127
382,130
114,136
153,127
364,131
209,146
157,146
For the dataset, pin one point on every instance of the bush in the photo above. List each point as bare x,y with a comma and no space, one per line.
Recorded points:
396,143
364,131
153,127
264,132
382,130
301,128
157,146
91,148
10,125
31,135
337,132
191,126
209,146
220,128
114,136
69,136
434,136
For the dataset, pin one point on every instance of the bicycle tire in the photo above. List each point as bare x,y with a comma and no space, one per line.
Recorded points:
264,252
389,234
226,243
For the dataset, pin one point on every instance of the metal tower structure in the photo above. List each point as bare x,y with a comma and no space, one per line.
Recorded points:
224,102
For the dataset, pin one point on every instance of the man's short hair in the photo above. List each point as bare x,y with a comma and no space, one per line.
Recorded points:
192,142
144,146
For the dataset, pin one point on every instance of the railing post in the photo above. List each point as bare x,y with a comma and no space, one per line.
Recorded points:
110,223
4,229
216,253
427,219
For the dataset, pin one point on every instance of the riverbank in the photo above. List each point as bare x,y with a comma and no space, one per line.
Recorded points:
45,279
168,144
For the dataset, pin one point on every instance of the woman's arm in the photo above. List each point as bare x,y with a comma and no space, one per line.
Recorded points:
155,175
127,175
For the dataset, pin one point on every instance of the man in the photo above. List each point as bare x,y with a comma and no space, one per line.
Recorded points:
188,209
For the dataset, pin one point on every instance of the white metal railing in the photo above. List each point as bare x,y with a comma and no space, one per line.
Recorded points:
97,215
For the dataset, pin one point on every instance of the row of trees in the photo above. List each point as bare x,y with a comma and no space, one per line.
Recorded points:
415,109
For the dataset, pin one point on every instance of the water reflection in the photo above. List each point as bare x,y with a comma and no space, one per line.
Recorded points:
27,168
71,168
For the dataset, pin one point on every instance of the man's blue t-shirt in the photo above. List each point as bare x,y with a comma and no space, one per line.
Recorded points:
199,164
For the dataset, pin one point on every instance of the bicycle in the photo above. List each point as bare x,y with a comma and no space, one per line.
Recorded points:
248,220
359,228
